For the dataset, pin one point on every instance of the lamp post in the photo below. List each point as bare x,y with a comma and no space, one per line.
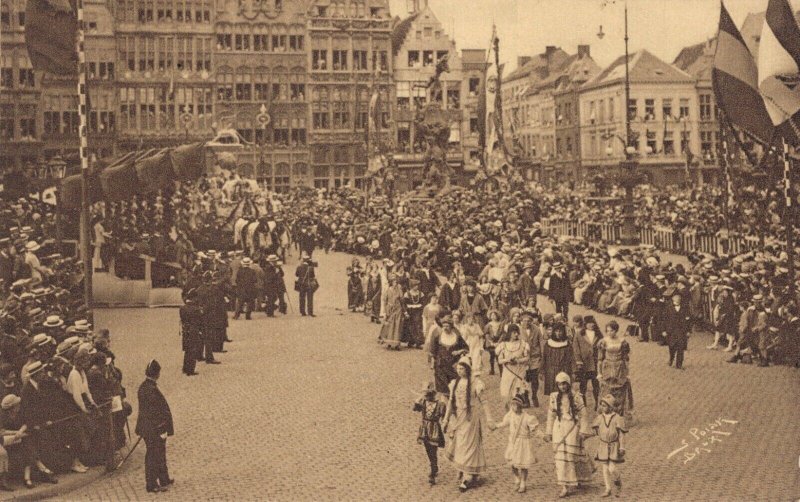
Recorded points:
628,177
263,120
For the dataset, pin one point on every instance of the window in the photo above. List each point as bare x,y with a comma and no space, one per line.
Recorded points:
319,59
669,143
298,137
707,144
5,16
321,175
27,121
705,107
360,60
224,42
282,178
7,122
684,142
666,108
243,86
383,60
611,109
296,42
441,55
21,19
474,85
473,125
362,120
321,118
26,80
339,60
649,109
428,32
427,58
298,92
341,115
419,34
413,58
225,86
632,109
322,11
260,42
6,78
684,108
242,42
203,54
453,99
651,141
279,43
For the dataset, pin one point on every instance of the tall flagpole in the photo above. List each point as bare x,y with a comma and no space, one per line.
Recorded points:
84,156
788,220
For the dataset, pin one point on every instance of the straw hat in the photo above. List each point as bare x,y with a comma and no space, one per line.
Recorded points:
53,321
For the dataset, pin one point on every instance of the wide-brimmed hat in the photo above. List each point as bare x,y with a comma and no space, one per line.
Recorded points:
246,262
32,246
609,400
272,258
10,401
35,367
53,321
304,256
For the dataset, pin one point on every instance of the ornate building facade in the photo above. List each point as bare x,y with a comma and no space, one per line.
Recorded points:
349,51
261,73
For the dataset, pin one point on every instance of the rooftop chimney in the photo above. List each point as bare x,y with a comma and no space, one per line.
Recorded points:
522,61
584,51
548,53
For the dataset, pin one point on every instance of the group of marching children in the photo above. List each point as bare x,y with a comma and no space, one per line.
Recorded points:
567,428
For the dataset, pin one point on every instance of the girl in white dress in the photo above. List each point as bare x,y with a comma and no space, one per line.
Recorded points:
472,333
520,452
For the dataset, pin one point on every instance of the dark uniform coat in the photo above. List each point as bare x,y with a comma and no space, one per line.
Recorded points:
155,417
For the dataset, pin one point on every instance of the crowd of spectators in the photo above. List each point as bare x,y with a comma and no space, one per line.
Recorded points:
62,402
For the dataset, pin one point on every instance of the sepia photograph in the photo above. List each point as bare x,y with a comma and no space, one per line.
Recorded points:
400,250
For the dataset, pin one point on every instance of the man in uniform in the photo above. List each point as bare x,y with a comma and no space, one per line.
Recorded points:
191,332
304,284
246,290
207,298
154,425
274,287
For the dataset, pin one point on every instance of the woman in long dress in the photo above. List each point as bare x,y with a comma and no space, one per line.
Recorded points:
513,355
445,348
472,333
567,427
373,303
613,357
392,329
464,424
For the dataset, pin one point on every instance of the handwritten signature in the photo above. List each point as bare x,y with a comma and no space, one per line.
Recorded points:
702,439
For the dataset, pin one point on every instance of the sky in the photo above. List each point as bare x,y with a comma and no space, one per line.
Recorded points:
525,27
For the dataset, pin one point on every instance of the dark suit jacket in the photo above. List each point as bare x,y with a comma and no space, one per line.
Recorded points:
304,274
677,326
155,417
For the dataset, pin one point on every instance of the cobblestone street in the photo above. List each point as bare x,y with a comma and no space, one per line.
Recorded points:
314,409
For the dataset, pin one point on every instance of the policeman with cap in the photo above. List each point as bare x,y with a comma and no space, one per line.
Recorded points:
191,315
154,425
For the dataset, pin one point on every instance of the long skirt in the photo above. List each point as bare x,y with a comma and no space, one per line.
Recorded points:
392,328
465,448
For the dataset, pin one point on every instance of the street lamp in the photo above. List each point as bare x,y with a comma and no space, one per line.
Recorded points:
263,118
627,177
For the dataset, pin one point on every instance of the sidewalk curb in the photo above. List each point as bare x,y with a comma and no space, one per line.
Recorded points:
66,483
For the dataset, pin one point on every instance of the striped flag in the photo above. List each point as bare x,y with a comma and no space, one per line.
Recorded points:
735,80
51,28
779,69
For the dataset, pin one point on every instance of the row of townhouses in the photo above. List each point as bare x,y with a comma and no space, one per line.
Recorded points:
165,72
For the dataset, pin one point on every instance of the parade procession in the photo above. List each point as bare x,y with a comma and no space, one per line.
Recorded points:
399,250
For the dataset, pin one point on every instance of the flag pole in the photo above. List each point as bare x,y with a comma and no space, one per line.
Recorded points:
788,220
84,156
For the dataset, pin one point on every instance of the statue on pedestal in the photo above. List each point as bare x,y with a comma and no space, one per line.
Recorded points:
434,129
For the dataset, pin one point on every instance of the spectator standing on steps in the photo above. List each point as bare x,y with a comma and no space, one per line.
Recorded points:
306,284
